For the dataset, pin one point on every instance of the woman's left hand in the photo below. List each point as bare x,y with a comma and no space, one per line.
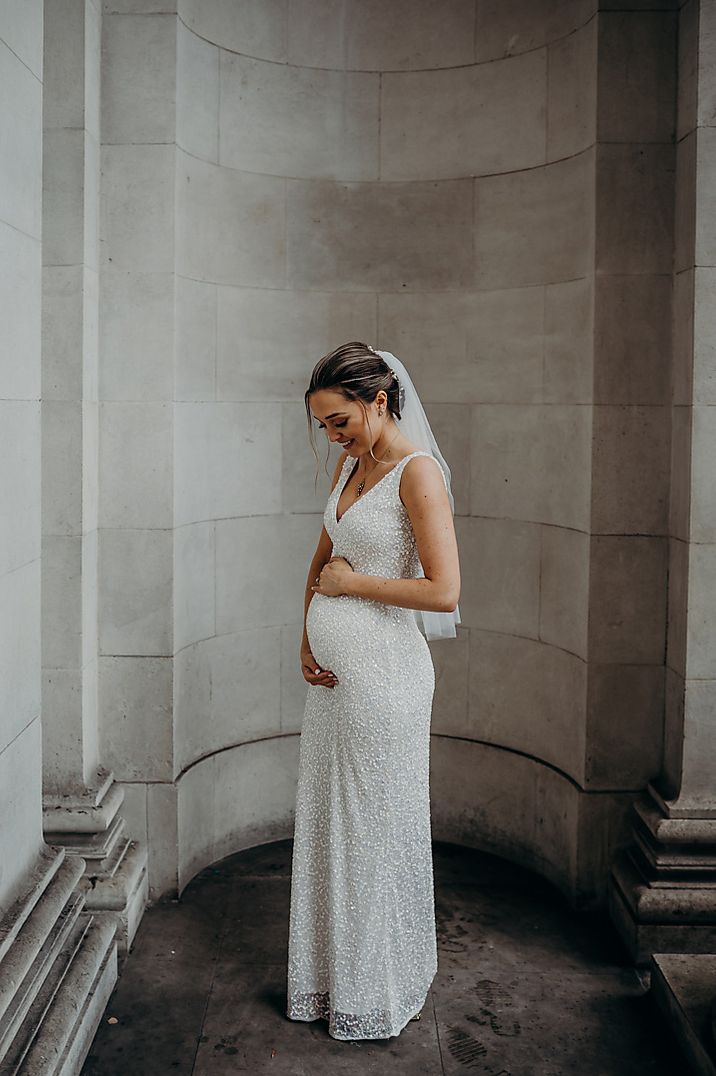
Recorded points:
333,578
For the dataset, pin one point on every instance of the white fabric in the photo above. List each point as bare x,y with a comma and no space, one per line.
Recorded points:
362,940
413,423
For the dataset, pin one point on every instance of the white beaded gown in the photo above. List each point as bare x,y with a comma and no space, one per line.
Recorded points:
362,948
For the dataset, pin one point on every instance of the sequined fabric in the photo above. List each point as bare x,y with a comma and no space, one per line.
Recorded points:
362,949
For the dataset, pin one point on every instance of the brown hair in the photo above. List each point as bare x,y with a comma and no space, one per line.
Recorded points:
358,373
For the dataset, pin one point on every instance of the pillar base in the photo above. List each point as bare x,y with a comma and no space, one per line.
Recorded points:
90,828
58,967
662,894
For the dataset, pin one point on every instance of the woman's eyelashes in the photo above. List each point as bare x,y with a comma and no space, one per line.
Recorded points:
338,425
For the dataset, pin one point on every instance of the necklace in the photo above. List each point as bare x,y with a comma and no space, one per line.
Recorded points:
359,487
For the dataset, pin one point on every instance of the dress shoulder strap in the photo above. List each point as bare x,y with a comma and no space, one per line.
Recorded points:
419,452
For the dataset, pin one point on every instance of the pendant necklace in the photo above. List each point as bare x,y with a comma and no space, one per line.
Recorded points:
359,487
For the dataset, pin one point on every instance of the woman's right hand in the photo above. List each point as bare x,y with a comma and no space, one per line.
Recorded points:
313,673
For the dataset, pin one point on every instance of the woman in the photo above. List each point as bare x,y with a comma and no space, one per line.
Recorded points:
362,945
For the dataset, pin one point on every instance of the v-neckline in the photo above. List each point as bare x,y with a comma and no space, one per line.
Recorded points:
363,495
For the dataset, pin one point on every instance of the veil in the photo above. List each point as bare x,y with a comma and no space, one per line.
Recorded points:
413,422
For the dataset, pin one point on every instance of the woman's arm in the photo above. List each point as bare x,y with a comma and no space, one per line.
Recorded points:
423,492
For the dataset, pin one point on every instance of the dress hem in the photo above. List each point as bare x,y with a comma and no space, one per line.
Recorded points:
308,1007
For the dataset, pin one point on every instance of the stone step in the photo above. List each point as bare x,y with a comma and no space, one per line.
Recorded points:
684,988
59,1027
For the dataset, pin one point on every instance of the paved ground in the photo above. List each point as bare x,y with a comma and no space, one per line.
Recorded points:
525,987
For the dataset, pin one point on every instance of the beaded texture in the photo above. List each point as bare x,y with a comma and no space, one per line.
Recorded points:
362,948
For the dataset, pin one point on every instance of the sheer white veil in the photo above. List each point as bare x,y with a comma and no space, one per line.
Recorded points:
413,423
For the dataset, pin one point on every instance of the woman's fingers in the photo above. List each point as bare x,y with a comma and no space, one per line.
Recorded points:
322,677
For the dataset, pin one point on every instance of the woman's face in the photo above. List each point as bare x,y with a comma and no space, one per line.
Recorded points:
343,420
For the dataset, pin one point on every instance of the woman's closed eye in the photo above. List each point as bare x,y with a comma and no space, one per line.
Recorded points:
338,425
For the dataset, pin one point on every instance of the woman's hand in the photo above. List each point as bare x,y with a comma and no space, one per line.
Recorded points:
333,578
312,672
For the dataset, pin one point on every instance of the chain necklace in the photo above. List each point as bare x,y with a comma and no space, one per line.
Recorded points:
359,487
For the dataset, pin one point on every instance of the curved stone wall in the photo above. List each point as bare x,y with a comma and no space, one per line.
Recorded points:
423,181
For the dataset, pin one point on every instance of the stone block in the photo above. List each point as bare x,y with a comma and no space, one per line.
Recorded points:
135,704
135,592
21,27
62,321
269,340
62,601
568,342
162,843
678,609
261,568
704,336
630,470
683,342
375,36
680,478
685,204
451,714
134,810
531,462
63,202
627,607
572,92
21,804
20,454
298,121
687,61
624,740
135,465
528,696
472,346
227,692
637,75
61,467
535,226
63,64
707,74
634,208
138,213
137,336
451,425
700,648
197,95
254,27
706,196
20,301
564,589
139,78
227,460
306,482
500,574
379,236
703,488
252,250
195,339
21,139
504,29
632,340
20,653
236,799
477,119
699,747
194,575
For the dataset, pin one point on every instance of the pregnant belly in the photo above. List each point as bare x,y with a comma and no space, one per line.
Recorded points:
349,635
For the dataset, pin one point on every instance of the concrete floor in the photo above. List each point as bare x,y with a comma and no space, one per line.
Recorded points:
525,986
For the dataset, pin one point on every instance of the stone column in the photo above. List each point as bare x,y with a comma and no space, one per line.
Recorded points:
82,802
663,893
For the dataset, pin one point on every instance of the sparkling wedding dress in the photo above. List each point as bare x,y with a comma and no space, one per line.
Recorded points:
362,947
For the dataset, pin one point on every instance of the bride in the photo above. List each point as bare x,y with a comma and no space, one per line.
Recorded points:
385,577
